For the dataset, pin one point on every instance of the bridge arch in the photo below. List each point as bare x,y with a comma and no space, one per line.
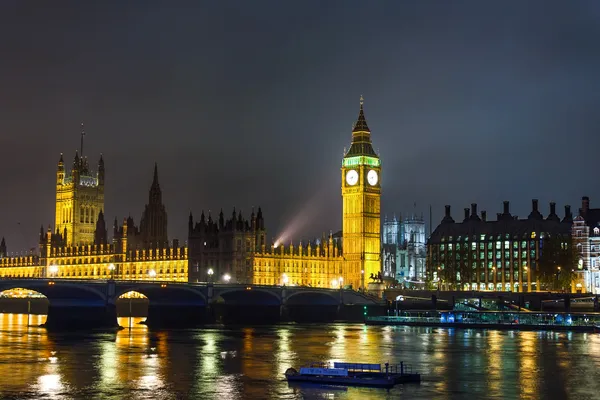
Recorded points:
56,290
165,293
252,296
313,297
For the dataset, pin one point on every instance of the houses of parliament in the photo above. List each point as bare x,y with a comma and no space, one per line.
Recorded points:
219,248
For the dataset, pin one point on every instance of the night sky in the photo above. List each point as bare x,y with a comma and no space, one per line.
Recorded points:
251,103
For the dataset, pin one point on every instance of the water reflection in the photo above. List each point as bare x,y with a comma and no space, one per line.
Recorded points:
249,362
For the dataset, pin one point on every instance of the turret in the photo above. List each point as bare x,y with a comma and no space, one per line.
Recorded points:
76,162
260,222
60,171
101,171
42,234
124,236
2,248
190,224
100,234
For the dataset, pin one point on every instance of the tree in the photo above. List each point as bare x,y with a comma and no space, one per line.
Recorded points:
448,272
557,262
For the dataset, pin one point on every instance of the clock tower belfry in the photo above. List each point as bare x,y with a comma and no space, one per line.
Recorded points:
361,215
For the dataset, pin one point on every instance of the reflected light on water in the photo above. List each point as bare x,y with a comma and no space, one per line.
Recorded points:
233,362
285,357
528,357
50,384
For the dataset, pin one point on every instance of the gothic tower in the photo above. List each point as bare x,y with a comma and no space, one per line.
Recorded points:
361,215
79,200
153,225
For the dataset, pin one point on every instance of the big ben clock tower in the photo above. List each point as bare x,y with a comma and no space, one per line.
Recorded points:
361,215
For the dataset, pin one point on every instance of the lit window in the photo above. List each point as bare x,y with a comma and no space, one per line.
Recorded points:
596,231
533,235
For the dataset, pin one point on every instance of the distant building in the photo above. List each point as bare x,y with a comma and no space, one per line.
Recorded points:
492,255
586,235
404,249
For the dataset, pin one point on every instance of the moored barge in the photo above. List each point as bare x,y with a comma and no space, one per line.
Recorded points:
354,374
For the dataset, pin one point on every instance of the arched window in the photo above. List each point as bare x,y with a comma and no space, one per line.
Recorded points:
596,231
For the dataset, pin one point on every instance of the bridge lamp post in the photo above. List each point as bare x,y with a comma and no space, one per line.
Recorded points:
341,281
285,279
362,279
210,273
226,278
53,270
112,268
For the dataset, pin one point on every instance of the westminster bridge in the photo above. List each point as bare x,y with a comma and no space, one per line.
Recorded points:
76,304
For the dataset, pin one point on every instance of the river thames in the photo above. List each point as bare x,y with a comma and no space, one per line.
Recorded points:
249,362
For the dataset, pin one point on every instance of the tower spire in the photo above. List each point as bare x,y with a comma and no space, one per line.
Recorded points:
155,178
361,136
361,122
82,136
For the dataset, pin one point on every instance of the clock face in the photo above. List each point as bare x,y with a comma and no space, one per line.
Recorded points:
351,177
372,177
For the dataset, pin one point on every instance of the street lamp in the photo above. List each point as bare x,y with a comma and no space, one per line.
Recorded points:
210,273
226,278
362,278
112,268
285,279
341,280
53,270
152,274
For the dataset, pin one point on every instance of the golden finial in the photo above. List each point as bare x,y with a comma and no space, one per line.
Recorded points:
362,100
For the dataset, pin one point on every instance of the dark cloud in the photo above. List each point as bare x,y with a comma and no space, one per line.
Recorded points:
251,103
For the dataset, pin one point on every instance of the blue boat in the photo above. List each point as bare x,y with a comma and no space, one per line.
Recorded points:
354,374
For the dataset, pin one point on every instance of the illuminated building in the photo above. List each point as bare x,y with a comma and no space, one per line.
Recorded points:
137,254
478,254
404,249
318,264
327,265
224,247
586,235
225,250
79,200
